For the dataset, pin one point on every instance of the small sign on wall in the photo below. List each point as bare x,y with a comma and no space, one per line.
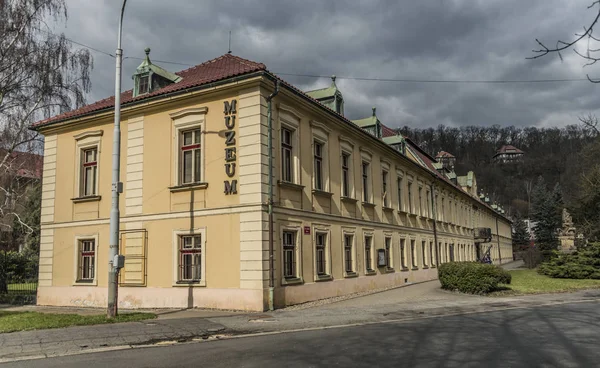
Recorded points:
306,230
381,258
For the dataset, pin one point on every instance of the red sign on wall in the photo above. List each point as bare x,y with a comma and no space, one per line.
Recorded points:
306,230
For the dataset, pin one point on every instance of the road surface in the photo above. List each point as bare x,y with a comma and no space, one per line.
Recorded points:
566,335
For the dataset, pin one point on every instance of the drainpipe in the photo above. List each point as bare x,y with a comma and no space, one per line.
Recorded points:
498,238
270,200
435,238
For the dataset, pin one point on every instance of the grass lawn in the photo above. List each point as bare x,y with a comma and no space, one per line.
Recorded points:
530,282
23,321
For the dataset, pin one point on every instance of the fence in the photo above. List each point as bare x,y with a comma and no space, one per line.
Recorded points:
18,291
18,278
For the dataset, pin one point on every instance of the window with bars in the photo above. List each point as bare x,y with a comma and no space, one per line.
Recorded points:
289,254
384,189
413,252
287,158
321,253
190,258
365,181
348,250
403,253
388,252
87,260
190,156
345,175
89,171
368,253
318,165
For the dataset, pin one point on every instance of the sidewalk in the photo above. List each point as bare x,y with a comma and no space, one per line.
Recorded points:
411,302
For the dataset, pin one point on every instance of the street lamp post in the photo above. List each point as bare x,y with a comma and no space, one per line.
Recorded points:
117,186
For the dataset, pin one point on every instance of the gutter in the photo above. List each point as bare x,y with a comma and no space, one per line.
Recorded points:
270,200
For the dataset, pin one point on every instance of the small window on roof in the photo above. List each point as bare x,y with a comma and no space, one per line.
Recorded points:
144,84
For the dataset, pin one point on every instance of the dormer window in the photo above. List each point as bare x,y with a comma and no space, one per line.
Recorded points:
144,84
149,77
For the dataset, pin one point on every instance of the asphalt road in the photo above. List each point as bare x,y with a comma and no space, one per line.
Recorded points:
565,335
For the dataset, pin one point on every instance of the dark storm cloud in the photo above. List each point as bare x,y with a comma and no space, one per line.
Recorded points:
443,39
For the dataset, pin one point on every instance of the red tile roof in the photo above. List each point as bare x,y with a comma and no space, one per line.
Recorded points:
24,164
508,149
387,132
223,67
444,154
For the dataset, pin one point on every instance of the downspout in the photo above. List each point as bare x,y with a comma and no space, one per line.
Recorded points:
435,238
498,238
270,200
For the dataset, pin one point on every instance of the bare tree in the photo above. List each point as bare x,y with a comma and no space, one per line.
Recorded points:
590,123
41,74
591,49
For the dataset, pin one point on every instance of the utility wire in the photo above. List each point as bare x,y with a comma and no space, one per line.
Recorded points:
400,80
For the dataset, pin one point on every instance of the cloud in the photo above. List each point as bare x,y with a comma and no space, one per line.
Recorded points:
441,39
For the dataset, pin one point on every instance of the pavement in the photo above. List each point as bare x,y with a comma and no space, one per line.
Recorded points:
564,335
414,302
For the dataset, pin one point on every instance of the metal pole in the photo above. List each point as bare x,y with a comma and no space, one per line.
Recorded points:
117,186
270,210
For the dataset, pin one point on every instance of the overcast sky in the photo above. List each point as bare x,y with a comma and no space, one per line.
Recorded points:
394,39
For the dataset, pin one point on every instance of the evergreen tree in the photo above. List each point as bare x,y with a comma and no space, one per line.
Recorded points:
520,235
546,209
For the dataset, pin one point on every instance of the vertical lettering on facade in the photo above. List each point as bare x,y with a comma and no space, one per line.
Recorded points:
230,111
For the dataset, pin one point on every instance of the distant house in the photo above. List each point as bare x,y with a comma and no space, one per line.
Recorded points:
446,159
508,153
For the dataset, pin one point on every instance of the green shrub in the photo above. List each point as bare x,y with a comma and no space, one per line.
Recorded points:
472,277
582,264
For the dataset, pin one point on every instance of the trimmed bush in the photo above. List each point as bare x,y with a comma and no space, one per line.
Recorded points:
582,264
472,277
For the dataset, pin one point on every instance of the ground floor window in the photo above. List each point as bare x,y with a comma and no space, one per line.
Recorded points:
348,253
402,253
388,252
413,252
321,253
368,253
424,252
431,253
289,254
190,258
87,260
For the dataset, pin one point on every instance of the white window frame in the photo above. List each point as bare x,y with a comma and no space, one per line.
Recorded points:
85,141
366,157
289,120
389,253
347,148
424,246
320,135
177,234
324,230
353,253
386,198
78,239
185,120
402,246
400,202
297,229
414,256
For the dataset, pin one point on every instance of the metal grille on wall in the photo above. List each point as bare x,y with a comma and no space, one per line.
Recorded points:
133,244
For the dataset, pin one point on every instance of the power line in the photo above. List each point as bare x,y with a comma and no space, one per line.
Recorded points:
399,80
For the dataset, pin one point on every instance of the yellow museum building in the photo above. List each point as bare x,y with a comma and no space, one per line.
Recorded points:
356,206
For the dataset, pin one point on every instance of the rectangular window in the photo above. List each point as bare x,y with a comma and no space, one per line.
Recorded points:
289,254
191,161
424,252
348,259
421,213
368,255
89,171
144,84
87,260
365,181
399,184
431,254
190,258
321,248
428,201
287,166
410,198
318,168
403,253
384,189
345,175
388,252
413,252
